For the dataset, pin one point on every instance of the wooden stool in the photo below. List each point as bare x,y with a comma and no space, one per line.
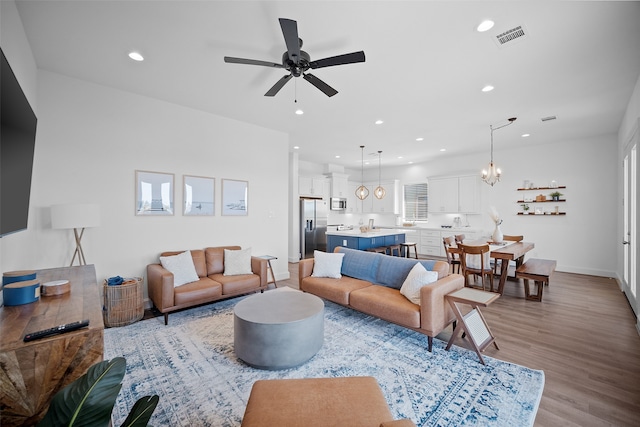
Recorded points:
395,248
379,249
407,246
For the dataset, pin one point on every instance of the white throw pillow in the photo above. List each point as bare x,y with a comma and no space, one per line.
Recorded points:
237,262
416,279
327,265
182,267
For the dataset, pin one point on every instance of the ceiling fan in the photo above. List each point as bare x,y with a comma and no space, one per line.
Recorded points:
298,62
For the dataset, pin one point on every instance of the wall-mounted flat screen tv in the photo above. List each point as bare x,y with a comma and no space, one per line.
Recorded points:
17,144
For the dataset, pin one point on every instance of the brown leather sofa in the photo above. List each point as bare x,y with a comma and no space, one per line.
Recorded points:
431,317
213,285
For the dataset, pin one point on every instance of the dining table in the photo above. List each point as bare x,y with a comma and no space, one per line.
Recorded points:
505,251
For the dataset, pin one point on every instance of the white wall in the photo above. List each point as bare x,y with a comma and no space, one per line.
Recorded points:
583,241
90,141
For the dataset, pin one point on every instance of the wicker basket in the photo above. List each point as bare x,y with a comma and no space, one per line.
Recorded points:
123,304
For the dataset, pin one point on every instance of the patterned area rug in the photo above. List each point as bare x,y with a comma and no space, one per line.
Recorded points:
191,365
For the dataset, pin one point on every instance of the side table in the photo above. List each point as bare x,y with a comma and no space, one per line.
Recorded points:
269,258
473,323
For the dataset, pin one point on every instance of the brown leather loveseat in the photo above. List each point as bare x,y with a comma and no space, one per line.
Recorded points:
212,284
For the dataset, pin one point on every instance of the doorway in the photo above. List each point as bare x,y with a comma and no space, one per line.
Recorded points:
630,233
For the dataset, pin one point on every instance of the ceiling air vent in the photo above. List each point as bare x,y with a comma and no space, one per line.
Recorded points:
507,37
548,118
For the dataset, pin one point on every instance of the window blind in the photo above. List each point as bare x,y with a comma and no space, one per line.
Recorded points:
415,201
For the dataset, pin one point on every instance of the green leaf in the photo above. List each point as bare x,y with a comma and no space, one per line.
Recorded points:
141,412
89,400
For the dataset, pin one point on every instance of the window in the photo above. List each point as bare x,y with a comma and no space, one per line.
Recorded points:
415,201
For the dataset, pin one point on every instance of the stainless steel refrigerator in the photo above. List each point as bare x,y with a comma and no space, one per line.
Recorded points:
313,227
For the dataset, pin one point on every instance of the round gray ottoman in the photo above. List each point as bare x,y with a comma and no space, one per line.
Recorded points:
278,329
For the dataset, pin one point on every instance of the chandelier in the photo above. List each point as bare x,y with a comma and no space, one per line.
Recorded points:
362,192
379,192
492,175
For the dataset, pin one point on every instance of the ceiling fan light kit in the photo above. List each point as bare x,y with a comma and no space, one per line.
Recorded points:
492,175
298,62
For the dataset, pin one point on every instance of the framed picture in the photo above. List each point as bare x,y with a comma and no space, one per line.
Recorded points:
198,197
235,197
154,193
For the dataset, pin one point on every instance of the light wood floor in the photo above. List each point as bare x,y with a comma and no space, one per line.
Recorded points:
582,335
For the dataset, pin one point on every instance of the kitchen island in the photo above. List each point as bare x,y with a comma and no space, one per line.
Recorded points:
355,239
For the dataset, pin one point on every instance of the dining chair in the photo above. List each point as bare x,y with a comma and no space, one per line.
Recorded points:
459,239
498,263
475,260
452,251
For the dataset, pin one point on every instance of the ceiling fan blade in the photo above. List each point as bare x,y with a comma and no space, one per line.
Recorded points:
279,84
290,33
347,58
233,60
325,88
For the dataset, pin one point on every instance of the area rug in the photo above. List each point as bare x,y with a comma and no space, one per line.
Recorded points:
191,365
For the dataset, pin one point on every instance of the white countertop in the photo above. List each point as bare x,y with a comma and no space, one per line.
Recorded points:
378,232
431,227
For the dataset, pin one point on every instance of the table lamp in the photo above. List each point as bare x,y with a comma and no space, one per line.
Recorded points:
78,217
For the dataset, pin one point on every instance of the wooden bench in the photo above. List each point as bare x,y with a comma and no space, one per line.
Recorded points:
537,270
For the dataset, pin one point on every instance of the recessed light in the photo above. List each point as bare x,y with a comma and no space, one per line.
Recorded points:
379,122
296,147
409,163
485,26
299,112
487,88
525,135
136,56
443,149
337,157
400,157
420,139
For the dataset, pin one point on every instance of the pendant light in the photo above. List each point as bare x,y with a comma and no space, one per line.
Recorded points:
362,192
492,175
379,191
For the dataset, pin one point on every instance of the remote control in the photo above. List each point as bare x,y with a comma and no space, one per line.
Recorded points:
56,330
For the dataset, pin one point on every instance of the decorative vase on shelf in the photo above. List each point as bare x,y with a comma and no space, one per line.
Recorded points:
496,237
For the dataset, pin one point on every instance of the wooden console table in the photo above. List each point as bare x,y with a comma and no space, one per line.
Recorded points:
33,372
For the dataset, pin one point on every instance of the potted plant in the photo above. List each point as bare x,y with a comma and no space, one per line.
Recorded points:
89,400
525,209
555,195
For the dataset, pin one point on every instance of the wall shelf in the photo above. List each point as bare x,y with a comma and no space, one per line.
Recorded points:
543,214
540,213
541,188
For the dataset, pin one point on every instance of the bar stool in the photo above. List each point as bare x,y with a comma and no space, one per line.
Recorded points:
407,246
395,248
379,249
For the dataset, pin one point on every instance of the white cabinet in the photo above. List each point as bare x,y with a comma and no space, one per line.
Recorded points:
469,194
443,195
431,240
340,185
354,205
389,203
430,243
311,186
458,194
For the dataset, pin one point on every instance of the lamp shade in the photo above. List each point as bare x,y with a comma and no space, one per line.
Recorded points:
75,216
